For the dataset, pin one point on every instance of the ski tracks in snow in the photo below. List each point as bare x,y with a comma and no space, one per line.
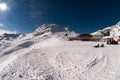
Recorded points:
80,64
75,64
68,62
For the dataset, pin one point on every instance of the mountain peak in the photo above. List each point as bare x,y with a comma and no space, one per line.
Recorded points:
11,36
50,28
109,31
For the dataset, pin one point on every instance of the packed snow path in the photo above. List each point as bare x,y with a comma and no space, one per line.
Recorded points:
64,60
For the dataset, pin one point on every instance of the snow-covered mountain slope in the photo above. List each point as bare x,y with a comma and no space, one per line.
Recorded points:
10,43
55,59
42,33
7,36
43,55
8,39
109,31
53,29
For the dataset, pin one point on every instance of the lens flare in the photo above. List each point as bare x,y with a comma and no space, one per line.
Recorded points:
3,6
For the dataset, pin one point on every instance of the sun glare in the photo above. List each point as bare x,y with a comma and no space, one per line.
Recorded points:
3,6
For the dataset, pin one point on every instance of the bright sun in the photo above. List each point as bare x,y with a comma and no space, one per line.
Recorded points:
3,6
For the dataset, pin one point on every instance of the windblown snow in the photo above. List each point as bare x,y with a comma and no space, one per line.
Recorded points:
47,55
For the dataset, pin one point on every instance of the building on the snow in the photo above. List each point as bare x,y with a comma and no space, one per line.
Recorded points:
85,37
82,37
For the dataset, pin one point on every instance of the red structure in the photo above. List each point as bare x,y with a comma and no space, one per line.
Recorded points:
112,41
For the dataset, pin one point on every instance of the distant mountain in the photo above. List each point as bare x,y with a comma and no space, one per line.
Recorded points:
2,31
54,29
8,36
109,31
44,32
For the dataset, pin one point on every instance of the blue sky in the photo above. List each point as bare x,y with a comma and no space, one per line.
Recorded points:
82,16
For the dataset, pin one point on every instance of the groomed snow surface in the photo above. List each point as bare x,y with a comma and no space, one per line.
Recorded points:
54,59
